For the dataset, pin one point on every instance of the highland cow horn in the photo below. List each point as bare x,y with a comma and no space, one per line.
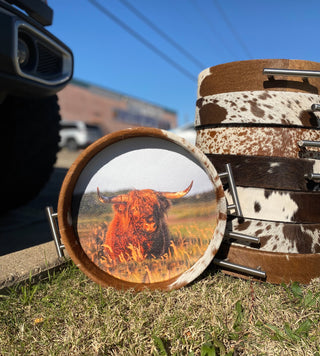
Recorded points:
113,199
178,195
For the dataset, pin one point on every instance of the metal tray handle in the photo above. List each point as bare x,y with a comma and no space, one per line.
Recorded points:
270,72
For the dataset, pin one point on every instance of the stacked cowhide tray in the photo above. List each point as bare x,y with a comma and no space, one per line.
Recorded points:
263,125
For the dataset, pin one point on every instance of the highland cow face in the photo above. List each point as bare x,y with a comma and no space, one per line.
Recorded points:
146,209
139,221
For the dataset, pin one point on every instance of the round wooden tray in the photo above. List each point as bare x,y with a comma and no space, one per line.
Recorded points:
142,208
269,172
258,141
279,267
258,108
278,205
248,75
278,237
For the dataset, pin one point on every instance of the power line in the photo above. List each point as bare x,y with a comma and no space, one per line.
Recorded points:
208,20
162,34
143,40
230,25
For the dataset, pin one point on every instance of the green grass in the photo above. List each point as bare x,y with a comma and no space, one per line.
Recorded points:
68,314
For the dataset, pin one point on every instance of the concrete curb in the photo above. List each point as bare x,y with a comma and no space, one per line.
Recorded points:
34,261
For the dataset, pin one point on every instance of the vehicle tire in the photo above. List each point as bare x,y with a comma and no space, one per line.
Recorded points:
72,144
29,129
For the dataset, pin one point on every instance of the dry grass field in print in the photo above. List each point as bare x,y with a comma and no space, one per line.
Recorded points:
191,224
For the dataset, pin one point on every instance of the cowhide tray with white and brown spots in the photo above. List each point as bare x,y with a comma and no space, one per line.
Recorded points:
129,210
287,252
248,76
278,205
258,141
270,172
280,267
258,108
256,123
278,237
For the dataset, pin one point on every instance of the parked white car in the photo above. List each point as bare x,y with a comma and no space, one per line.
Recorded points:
78,134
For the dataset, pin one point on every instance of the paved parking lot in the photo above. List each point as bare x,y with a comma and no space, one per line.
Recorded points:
25,239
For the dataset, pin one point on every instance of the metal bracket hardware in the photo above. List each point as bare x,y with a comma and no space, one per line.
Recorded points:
233,189
270,72
306,143
239,268
52,216
242,237
235,235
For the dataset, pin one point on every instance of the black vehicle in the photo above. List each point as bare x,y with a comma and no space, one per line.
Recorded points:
34,66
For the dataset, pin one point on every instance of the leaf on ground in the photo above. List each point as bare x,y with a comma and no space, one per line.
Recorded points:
304,328
208,349
160,345
296,290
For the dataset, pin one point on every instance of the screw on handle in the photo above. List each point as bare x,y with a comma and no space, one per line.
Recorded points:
315,107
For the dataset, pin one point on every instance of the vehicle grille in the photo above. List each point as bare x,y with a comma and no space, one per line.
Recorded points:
49,62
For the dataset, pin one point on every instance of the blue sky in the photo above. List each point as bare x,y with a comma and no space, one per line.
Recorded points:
108,56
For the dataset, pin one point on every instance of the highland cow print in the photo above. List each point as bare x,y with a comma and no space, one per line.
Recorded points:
279,237
258,141
258,107
277,205
139,224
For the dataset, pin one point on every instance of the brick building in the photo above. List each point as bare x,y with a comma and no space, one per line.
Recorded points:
112,111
